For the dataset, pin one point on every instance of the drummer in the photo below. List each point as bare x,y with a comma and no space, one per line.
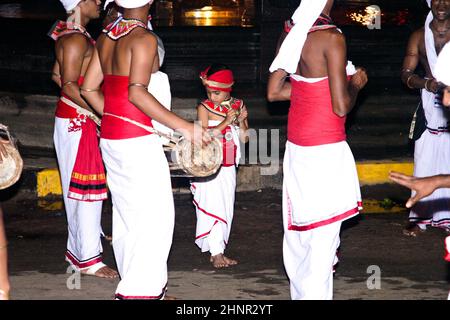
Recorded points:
214,198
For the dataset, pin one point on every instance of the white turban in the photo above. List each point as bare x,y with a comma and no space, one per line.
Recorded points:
291,49
442,69
69,5
130,4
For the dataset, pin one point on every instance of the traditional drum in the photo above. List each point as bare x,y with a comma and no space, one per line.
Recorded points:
184,158
11,165
187,160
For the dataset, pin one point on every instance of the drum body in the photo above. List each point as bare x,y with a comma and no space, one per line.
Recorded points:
11,165
188,160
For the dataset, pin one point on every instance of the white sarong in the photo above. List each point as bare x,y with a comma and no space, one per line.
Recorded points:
143,214
84,247
320,185
213,199
320,190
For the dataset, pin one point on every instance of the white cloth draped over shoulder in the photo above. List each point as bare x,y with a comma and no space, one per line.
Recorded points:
442,69
291,49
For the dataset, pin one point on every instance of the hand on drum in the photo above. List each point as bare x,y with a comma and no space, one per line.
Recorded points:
197,135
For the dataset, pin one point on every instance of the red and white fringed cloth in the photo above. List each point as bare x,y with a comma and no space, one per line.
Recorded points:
88,179
222,80
121,27
62,28
447,249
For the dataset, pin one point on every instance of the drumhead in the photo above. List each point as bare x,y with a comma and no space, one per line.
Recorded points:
200,162
11,167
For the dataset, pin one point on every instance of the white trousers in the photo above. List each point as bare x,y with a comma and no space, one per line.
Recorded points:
84,245
214,205
309,257
143,214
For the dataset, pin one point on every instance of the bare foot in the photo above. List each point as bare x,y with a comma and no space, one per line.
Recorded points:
104,272
412,230
220,261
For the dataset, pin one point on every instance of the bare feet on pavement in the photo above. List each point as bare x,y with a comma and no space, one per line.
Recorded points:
221,261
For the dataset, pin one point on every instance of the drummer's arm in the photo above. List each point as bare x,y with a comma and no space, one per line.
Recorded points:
91,88
203,117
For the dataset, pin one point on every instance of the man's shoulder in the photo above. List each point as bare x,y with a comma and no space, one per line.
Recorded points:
418,34
74,40
331,37
143,37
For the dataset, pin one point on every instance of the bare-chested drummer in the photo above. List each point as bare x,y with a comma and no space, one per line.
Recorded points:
76,143
138,172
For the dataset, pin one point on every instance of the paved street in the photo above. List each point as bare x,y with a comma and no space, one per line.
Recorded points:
410,268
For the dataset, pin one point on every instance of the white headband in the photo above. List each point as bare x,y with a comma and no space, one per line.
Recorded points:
291,50
69,5
130,4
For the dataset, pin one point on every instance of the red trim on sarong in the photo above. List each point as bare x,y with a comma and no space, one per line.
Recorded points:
115,89
206,233
322,223
124,297
83,265
207,213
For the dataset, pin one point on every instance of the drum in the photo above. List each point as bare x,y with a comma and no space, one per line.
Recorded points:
11,165
187,160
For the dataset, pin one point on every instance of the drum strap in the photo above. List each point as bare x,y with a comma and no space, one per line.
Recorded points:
140,125
81,110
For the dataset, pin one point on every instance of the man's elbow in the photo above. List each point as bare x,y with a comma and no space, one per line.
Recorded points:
272,96
341,110
133,96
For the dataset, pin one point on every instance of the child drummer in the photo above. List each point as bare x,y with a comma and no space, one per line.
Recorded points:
213,199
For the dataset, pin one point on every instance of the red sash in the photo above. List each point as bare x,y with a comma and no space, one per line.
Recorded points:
115,89
87,181
311,120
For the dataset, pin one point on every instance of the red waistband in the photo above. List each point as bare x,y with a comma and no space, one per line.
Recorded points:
311,120
115,89
65,111
62,109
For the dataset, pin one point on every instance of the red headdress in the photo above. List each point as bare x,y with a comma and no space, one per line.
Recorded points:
221,80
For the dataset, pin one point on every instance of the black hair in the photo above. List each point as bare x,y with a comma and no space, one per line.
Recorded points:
216,67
